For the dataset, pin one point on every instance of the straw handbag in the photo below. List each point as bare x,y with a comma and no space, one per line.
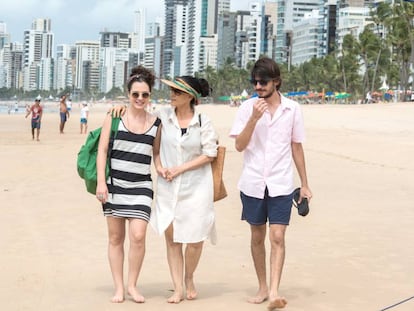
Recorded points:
217,169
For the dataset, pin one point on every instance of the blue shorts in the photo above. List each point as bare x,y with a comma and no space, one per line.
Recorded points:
275,209
63,117
83,121
35,124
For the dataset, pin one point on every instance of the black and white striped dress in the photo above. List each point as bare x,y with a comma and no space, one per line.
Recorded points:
129,182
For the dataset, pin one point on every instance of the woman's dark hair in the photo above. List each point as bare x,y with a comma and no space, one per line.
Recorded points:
266,68
200,85
141,74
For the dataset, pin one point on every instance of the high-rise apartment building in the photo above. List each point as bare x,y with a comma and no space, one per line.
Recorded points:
4,36
175,25
11,65
226,42
290,12
87,65
37,46
65,66
139,30
110,39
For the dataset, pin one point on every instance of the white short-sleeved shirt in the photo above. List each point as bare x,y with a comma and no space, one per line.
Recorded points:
84,112
268,155
187,201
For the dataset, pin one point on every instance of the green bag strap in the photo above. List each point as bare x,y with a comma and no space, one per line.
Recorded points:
114,131
114,125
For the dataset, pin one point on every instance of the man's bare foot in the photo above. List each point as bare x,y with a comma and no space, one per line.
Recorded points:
278,303
190,288
118,297
260,297
136,296
177,297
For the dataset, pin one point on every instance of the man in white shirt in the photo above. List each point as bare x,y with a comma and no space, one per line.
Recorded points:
270,130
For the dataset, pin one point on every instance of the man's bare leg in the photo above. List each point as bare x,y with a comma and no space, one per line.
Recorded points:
176,263
116,234
277,258
137,233
258,250
192,257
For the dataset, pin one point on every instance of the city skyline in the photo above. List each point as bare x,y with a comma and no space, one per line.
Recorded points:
70,23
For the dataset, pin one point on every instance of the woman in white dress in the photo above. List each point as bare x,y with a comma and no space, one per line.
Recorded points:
184,209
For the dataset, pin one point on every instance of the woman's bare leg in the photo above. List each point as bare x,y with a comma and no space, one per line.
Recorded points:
137,234
192,257
116,236
176,263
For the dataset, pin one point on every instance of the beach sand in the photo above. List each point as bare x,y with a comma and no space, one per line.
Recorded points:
354,251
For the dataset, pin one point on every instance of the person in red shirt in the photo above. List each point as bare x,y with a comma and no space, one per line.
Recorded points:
36,111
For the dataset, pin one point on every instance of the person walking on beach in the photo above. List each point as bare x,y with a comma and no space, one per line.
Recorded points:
37,111
127,194
270,131
184,209
84,114
64,113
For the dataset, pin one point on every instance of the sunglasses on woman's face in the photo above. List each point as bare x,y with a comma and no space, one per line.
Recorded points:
176,91
144,95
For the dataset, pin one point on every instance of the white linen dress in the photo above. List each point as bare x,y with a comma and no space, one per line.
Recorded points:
187,201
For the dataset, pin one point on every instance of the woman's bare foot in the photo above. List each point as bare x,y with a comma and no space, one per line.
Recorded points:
260,297
190,288
136,296
118,296
277,303
177,297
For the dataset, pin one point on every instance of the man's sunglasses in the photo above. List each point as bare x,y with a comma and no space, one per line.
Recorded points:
262,82
144,95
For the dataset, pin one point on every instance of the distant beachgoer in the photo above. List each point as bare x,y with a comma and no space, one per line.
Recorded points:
37,111
16,107
64,113
69,104
84,114
368,98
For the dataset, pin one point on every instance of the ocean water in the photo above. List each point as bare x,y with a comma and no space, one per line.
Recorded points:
9,108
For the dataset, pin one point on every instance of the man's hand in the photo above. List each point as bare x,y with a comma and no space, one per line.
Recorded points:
259,108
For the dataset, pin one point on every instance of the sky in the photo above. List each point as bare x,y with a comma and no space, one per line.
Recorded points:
74,20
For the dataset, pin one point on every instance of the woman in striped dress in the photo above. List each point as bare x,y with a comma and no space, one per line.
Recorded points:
126,195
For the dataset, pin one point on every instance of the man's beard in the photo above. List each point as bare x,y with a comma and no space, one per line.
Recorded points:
268,95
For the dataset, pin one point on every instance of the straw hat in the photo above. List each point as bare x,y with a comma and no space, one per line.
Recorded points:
181,85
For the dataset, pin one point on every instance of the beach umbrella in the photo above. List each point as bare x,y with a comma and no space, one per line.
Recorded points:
342,95
223,98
